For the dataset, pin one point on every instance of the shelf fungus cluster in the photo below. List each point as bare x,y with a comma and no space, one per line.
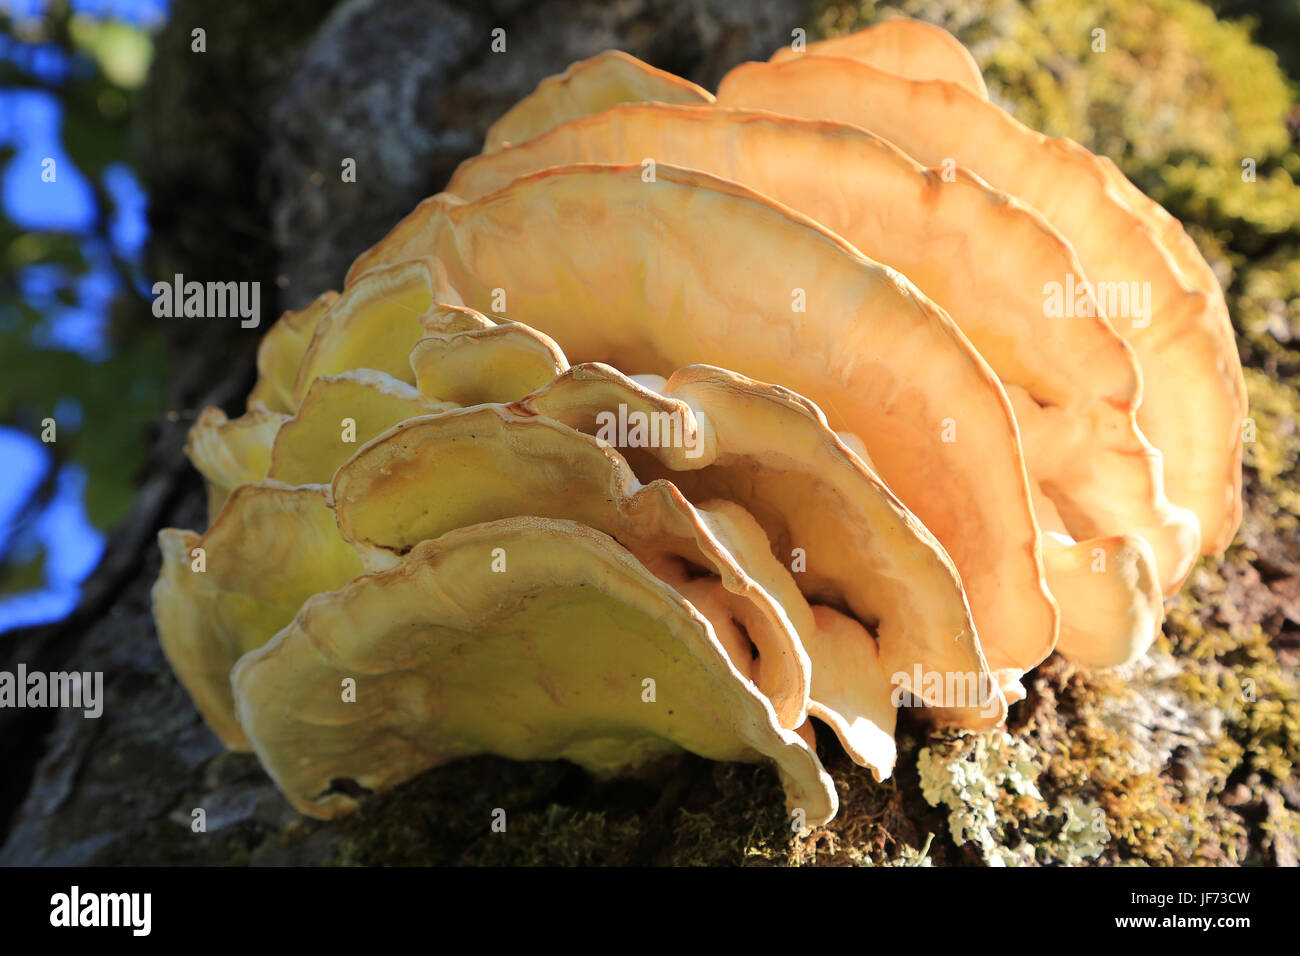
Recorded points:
679,420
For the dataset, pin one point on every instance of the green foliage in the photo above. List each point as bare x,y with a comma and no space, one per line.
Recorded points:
119,398
119,395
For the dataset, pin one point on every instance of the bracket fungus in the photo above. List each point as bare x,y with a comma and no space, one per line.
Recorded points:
676,421
589,86
544,661
1170,310
911,48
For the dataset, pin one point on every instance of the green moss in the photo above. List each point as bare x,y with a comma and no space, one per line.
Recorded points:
444,816
1282,833
1092,763
879,823
1274,456
1219,198
1172,81
557,836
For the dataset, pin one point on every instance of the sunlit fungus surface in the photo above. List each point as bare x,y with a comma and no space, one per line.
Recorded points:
680,421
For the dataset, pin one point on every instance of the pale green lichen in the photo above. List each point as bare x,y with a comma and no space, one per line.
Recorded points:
1082,833
971,775
989,784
